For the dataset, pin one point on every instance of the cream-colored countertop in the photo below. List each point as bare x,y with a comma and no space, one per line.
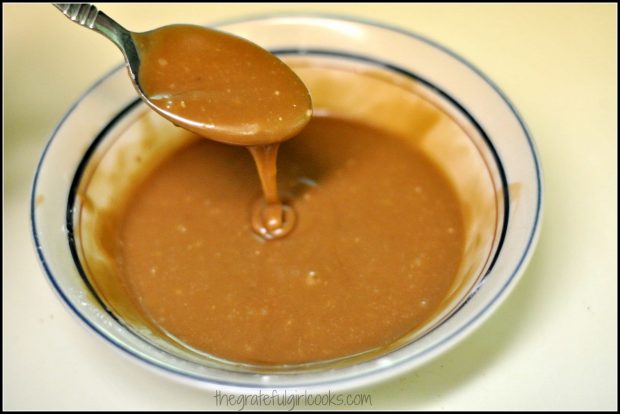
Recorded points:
551,345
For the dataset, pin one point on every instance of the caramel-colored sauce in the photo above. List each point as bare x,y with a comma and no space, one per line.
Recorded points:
377,243
221,86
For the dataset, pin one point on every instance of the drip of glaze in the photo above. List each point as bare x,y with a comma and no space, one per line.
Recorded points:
271,218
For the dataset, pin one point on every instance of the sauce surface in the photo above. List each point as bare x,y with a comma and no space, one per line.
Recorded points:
221,86
378,240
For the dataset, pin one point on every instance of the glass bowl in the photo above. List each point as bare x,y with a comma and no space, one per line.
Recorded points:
485,150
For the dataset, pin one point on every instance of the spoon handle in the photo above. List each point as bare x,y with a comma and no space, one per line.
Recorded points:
87,15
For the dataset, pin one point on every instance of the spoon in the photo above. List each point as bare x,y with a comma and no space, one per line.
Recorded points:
217,85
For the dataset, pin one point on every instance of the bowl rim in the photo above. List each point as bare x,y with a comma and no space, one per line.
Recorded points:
378,373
